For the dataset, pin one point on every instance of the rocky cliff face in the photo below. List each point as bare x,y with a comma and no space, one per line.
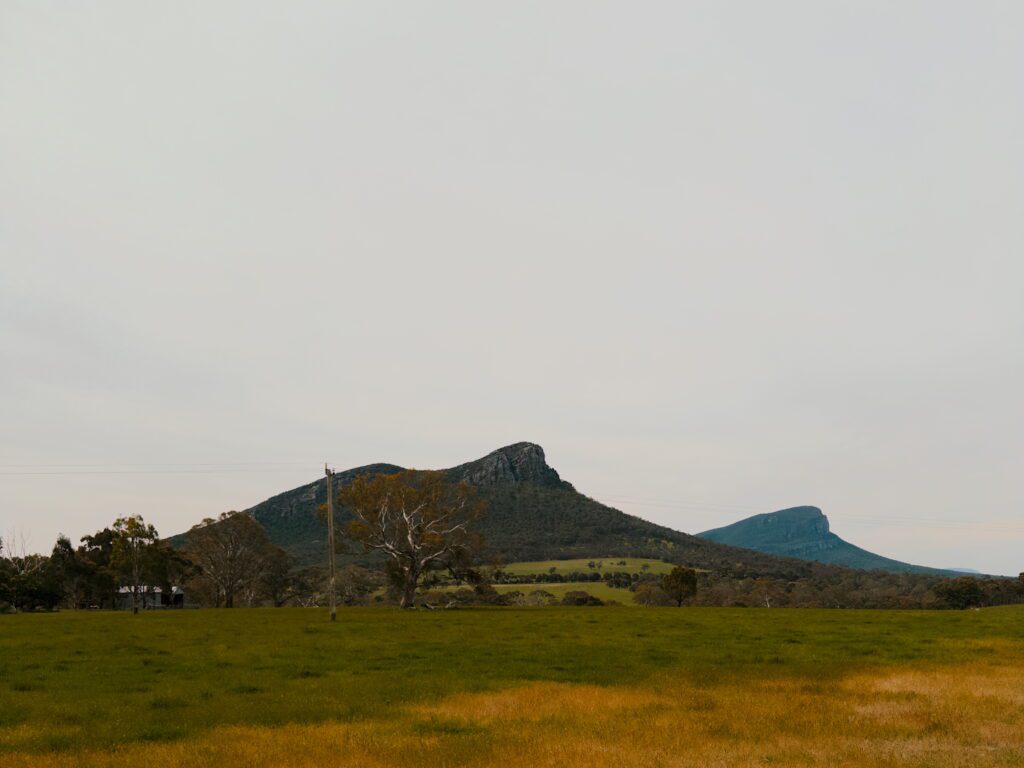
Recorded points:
795,524
520,462
516,481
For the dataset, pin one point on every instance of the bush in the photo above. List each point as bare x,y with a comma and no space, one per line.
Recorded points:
541,597
651,595
961,593
487,595
579,597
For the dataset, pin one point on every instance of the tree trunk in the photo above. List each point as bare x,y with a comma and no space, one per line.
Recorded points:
409,592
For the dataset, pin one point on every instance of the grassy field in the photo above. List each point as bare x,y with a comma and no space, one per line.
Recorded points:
514,687
607,565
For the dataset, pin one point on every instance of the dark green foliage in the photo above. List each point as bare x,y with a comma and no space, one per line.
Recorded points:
530,521
579,597
680,585
276,581
961,593
89,577
94,555
91,574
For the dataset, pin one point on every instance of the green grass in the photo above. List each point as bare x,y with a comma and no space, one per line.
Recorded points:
72,680
608,565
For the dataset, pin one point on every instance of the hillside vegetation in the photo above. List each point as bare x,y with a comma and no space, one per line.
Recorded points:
600,565
533,515
803,532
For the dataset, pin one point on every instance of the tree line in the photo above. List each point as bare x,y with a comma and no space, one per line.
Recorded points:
848,589
418,528
226,561
418,523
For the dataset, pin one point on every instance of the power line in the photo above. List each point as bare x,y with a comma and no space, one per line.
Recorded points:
291,467
161,464
147,471
130,468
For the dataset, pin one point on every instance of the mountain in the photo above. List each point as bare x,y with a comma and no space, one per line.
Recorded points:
532,514
803,532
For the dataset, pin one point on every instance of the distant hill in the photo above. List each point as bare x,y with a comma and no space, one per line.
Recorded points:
532,515
803,532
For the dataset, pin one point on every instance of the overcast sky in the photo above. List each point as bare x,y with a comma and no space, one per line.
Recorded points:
717,258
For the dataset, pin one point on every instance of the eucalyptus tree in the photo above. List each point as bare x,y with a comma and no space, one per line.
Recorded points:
419,520
132,552
232,553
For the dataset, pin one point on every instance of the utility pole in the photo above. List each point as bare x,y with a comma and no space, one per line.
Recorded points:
330,537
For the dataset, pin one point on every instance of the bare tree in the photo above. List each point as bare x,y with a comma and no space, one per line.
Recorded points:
417,519
766,589
24,582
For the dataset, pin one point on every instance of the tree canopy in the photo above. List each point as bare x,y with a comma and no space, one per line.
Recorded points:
680,584
232,553
418,520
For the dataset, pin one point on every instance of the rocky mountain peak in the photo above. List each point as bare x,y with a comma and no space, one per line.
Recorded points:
796,521
804,532
520,462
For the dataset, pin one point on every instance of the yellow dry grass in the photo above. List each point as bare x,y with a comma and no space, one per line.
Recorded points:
967,715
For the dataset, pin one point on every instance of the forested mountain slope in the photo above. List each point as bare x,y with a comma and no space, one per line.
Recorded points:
532,514
803,532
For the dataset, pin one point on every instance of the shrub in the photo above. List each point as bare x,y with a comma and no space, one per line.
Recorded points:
579,597
651,595
961,593
486,594
541,597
